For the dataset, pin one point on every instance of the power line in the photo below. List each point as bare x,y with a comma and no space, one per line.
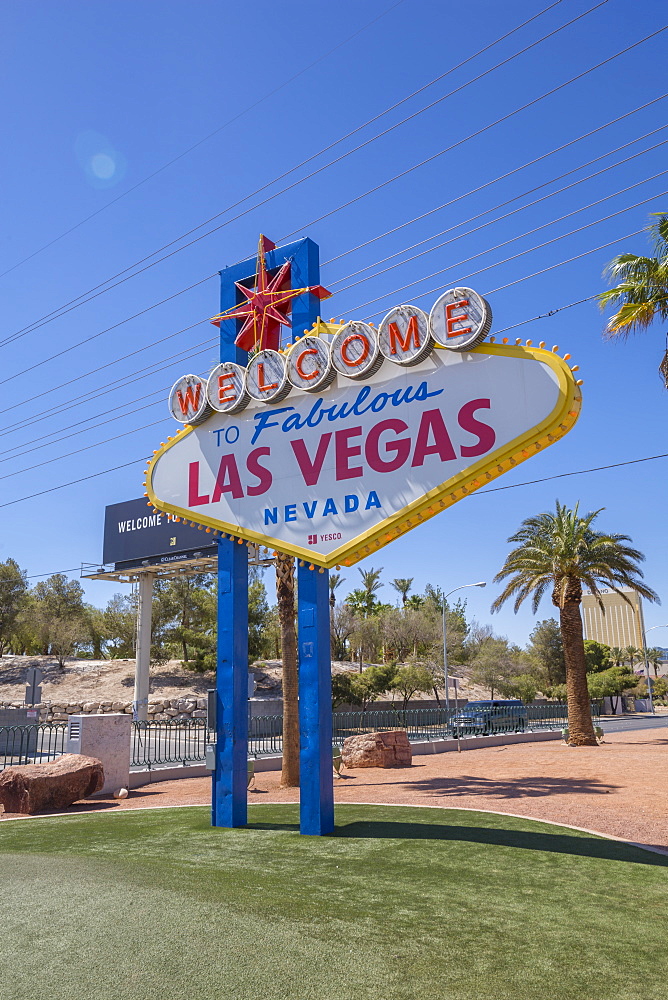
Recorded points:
100,289
206,138
511,173
522,253
513,239
578,472
92,337
74,482
473,135
521,208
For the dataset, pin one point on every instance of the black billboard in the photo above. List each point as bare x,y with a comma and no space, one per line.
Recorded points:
135,535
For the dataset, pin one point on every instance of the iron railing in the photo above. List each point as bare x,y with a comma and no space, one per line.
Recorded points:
167,742
32,743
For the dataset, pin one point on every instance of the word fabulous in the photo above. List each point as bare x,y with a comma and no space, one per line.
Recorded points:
459,320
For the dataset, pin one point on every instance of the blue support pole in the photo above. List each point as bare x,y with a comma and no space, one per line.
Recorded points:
228,802
229,798
316,808
230,778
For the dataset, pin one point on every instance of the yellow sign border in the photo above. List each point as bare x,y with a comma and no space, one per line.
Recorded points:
554,427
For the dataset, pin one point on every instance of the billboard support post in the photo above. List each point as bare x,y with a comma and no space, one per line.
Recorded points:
316,781
143,661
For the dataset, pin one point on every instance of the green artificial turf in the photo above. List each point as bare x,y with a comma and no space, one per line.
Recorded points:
401,903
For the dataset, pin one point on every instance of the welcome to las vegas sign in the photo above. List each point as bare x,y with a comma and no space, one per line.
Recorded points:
354,435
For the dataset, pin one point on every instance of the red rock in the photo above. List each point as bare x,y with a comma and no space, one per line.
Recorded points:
390,749
34,788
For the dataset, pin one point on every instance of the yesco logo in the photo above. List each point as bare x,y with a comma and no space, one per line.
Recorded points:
459,320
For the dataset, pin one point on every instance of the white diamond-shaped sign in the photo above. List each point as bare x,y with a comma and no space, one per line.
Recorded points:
330,477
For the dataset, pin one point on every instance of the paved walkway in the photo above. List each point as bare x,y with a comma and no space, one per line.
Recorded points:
619,788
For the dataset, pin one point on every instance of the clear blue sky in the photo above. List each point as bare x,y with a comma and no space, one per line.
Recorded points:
98,96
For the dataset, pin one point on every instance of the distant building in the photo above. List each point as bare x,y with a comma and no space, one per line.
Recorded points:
621,625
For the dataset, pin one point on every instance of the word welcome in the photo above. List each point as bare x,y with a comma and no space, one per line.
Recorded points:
459,321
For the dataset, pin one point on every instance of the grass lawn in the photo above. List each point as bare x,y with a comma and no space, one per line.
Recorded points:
426,904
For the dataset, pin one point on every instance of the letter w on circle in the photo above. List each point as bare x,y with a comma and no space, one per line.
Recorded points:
411,332
191,401
311,469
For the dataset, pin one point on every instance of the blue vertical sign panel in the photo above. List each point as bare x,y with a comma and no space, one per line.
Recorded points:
316,778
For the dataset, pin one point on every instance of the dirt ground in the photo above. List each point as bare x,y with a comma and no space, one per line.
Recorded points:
619,789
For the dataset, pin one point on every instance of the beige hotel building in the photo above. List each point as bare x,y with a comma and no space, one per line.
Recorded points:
621,625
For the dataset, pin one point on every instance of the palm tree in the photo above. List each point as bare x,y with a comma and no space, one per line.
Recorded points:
561,552
335,581
630,653
402,585
653,656
285,600
642,289
616,655
370,584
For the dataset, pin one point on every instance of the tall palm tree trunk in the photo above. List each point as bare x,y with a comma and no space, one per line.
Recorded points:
580,726
285,599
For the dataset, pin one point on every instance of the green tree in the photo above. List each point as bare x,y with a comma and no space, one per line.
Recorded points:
57,615
258,619
409,681
496,666
611,683
653,656
362,689
335,581
597,656
547,648
560,552
641,289
13,595
120,625
402,585
342,625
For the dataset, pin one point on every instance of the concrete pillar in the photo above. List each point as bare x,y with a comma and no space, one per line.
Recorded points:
107,738
143,663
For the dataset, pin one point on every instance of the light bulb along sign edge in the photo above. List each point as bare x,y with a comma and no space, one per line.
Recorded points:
533,391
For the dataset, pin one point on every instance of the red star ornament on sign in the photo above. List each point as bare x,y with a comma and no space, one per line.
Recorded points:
267,306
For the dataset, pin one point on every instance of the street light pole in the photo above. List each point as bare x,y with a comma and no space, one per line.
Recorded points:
647,677
445,642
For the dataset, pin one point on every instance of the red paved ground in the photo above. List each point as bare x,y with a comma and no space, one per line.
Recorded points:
619,788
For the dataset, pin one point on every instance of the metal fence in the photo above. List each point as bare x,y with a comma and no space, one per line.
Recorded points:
168,742
164,742
32,743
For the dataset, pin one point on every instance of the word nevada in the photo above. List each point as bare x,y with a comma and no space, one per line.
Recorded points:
459,321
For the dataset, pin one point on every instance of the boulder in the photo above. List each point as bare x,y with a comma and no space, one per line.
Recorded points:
390,749
34,788
90,706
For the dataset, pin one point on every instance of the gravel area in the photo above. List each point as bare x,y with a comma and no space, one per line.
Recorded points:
619,788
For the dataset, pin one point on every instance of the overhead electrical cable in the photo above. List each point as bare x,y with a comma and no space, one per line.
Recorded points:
100,289
521,208
418,218
511,173
522,235
503,204
95,394
472,135
206,138
522,253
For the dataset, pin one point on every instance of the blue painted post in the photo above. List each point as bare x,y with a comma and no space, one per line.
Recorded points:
229,780
228,802
316,779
